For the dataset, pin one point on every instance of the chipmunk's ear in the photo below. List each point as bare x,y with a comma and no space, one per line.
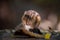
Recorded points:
25,12
23,15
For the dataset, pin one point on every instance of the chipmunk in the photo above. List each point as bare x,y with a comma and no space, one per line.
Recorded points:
30,20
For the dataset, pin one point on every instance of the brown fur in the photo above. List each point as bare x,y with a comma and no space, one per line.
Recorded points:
34,22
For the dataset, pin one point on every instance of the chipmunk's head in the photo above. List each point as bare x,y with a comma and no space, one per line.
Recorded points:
30,19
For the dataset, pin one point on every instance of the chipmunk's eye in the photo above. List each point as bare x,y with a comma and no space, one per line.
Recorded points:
28,17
